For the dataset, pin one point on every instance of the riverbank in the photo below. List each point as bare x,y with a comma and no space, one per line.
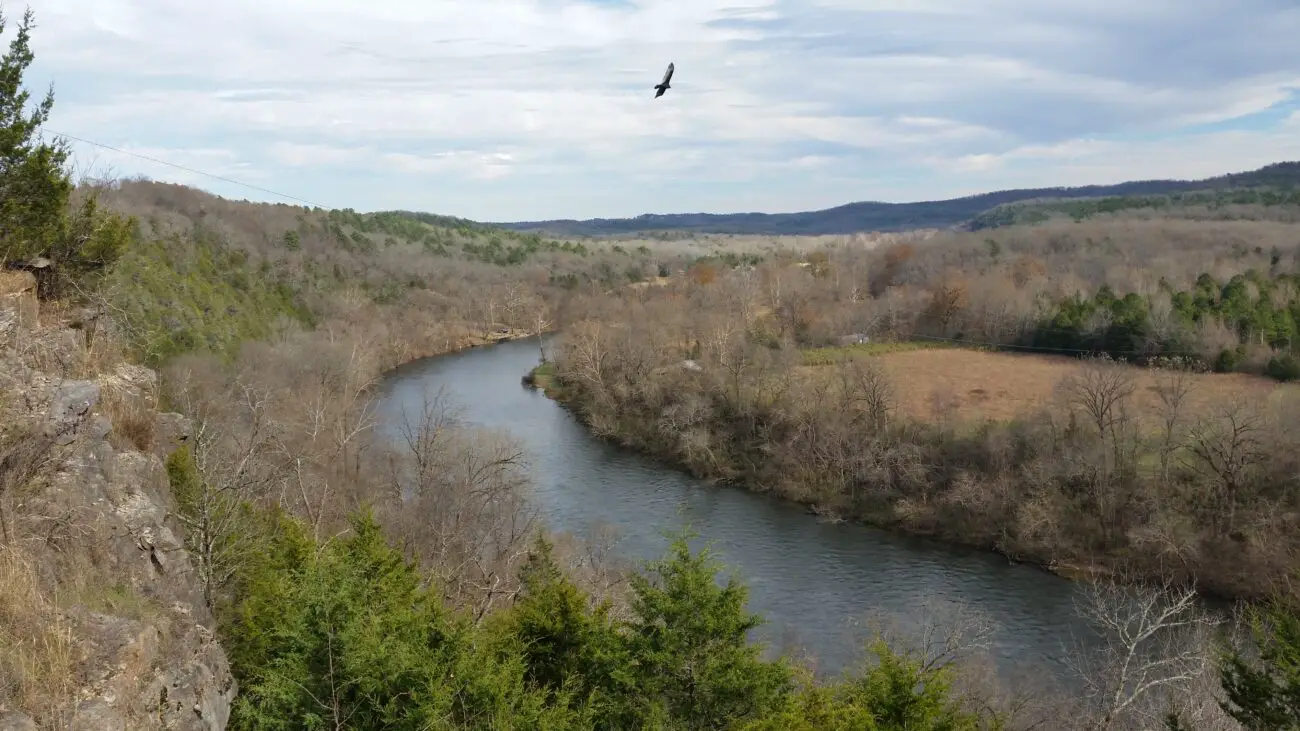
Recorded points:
820,583
954,504
451,339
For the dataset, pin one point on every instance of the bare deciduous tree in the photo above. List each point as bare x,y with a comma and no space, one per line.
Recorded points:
236,448
1174,382
1100,390
1155,648
865,386
1227,448
458,496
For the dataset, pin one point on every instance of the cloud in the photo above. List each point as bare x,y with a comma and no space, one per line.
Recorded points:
473,164
193,166
521,109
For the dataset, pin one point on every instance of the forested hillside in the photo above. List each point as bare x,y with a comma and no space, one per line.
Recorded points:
980,211
1280,203
203,526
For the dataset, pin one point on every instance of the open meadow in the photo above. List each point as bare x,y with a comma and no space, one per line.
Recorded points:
977,385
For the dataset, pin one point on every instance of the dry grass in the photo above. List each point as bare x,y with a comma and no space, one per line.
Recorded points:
25,454
38,656
133,422
652,282
973,385
833,354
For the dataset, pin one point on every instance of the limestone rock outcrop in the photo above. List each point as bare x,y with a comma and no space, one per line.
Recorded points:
146,655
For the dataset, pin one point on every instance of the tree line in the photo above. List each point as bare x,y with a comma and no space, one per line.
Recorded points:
362,583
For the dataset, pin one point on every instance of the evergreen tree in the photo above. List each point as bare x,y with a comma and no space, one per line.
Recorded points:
897,692
350,636
688,640
569,648
1265,695
34,184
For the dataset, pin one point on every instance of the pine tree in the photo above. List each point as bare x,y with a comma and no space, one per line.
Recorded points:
1265,696
688,642
569,647
34,184
351,636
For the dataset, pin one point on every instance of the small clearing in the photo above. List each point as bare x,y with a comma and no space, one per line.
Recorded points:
973,385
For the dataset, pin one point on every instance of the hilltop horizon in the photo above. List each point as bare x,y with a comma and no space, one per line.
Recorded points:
544,109
858,216
852,217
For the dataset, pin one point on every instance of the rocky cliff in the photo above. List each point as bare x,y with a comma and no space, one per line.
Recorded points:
102,623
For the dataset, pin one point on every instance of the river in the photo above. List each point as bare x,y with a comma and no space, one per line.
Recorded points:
815,582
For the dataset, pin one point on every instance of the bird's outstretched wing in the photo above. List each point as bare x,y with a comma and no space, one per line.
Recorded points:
668,75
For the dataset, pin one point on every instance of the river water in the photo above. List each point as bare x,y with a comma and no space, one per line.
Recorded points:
817,583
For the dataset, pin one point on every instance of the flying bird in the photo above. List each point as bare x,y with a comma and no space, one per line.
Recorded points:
663,86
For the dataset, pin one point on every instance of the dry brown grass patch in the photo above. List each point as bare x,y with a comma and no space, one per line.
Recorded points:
977,386
39,656
24,455
133,419
102,355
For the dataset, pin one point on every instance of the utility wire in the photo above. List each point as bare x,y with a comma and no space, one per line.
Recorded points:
214,176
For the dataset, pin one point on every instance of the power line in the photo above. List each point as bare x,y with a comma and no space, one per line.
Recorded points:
214,176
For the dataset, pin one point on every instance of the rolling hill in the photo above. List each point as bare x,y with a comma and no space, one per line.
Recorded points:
877,216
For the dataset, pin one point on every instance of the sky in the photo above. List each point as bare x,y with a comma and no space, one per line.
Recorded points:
513,110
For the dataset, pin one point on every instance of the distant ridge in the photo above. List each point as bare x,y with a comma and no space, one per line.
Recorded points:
876,216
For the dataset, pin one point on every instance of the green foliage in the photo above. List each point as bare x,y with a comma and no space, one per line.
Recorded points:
1284,368
496,251
90,240
34,183
691,659
184,480
184,294
902,693
1124,332
36,186
728,259
1265,695
1251,304
220,529
570,650
1079,209
352,630
438,235
898,692
352,634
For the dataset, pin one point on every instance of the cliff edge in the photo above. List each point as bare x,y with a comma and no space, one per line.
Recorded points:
102,622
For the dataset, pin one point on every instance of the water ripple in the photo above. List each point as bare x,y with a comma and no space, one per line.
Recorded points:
815,582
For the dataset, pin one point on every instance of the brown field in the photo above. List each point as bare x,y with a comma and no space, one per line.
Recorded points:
652,282
980,386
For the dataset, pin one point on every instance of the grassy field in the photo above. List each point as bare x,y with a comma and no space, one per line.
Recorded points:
543,377
833,354
976,385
